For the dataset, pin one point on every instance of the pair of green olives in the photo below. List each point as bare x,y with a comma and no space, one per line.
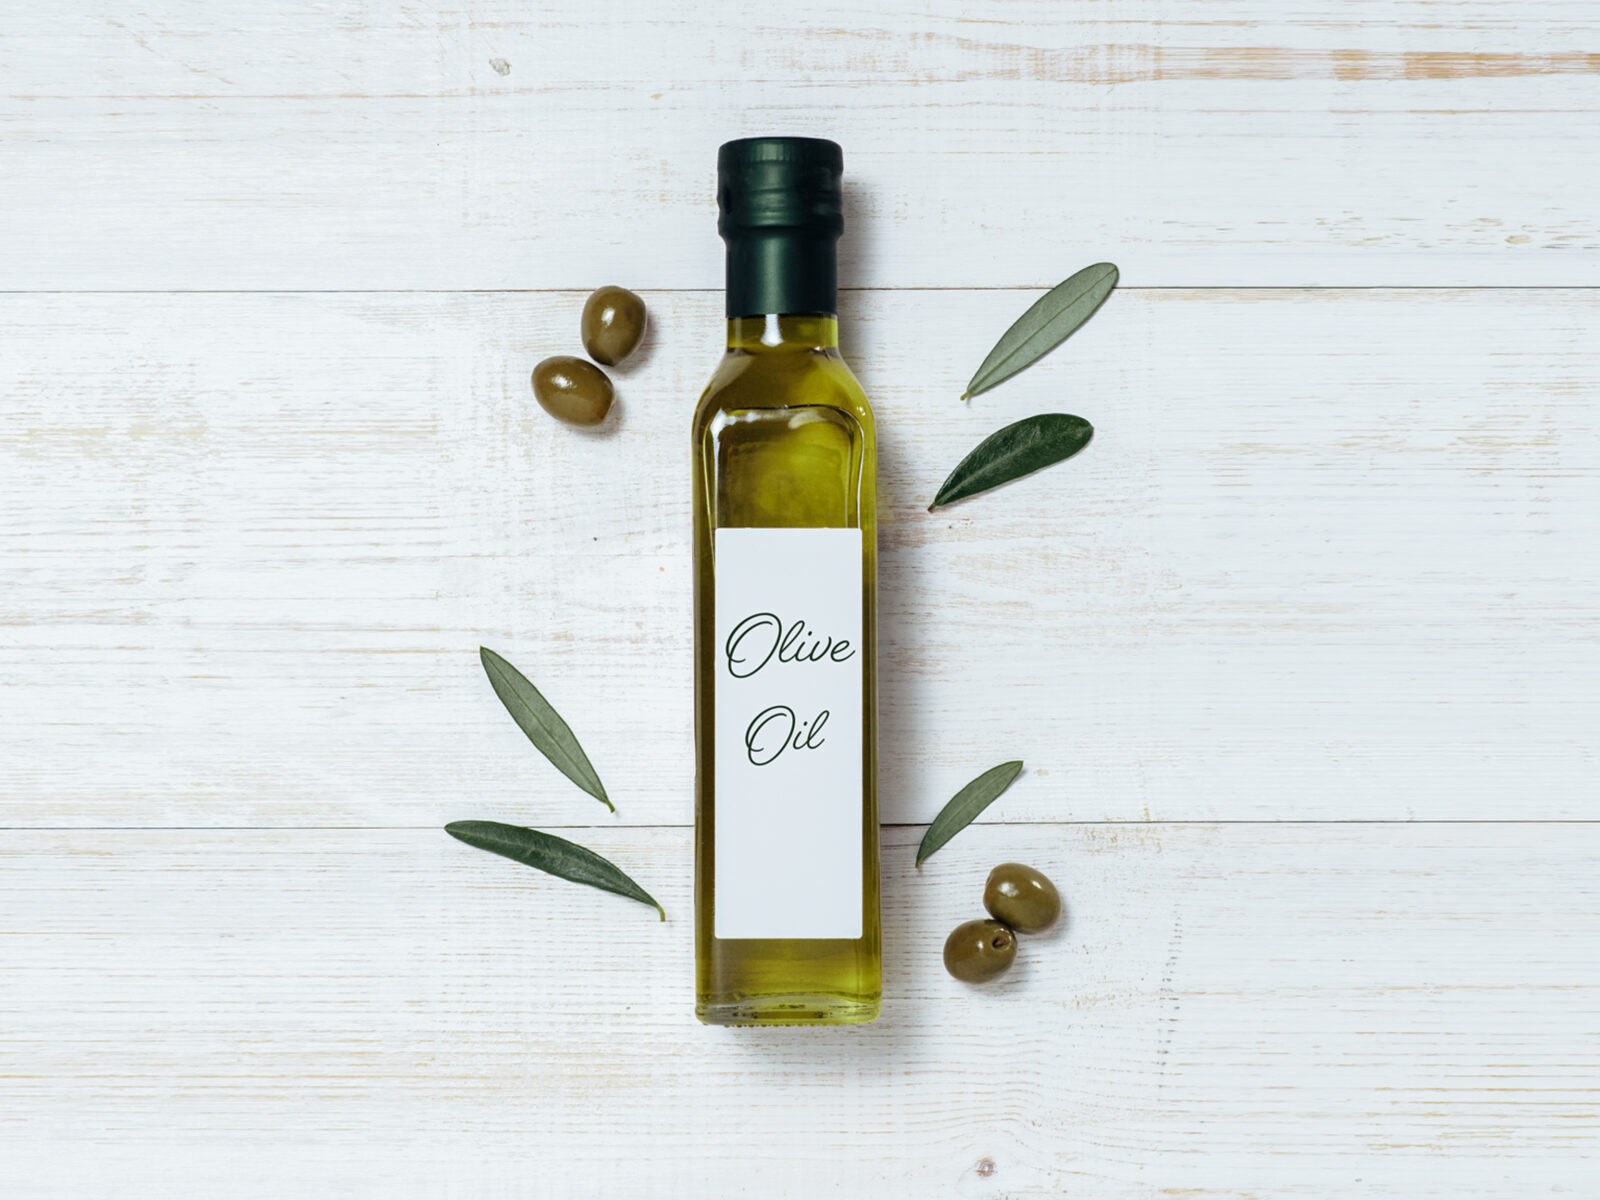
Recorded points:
576,391
1019,900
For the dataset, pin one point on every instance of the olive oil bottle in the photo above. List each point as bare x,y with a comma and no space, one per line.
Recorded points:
785,547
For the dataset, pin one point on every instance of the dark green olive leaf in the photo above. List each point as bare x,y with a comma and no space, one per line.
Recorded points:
965,806
557,856
1013,452
543,724
1051,320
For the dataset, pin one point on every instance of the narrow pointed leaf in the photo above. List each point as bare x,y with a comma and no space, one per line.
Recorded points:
543,724
1015,451
1051,320
965,806
553,855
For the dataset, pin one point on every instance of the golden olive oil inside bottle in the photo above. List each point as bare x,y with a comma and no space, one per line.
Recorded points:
785,543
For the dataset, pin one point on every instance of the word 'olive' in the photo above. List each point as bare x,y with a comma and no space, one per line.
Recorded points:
1022,898
613,324
977,951
572,390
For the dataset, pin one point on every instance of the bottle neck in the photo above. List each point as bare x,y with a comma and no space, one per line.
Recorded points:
780,332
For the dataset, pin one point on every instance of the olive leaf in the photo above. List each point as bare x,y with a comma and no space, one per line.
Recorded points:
1017,450
543,724
551,854
1049,322
965,806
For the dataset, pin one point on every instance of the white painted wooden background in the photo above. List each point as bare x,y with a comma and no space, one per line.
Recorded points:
1302,652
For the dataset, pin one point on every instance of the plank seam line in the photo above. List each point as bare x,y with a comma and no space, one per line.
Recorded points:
1020,287
1563,821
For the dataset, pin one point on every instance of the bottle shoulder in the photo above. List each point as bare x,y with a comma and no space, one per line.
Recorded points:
744,382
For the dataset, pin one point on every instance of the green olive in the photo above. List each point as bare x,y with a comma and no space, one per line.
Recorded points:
977,951
613,324
572,390
1022,898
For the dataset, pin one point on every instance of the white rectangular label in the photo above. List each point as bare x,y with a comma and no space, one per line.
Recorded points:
788,736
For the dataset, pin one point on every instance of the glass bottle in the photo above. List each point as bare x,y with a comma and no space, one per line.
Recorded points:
785,544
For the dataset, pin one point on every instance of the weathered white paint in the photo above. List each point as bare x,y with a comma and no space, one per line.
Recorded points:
1330,555
1231,1011
180,144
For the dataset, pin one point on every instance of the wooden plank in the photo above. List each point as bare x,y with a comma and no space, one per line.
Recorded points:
1330,555
507,144
1232,1011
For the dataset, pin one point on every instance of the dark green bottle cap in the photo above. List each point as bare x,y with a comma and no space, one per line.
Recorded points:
781,213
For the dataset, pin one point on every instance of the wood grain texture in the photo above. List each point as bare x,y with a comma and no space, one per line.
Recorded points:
1330,555
502,144
1232,1011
